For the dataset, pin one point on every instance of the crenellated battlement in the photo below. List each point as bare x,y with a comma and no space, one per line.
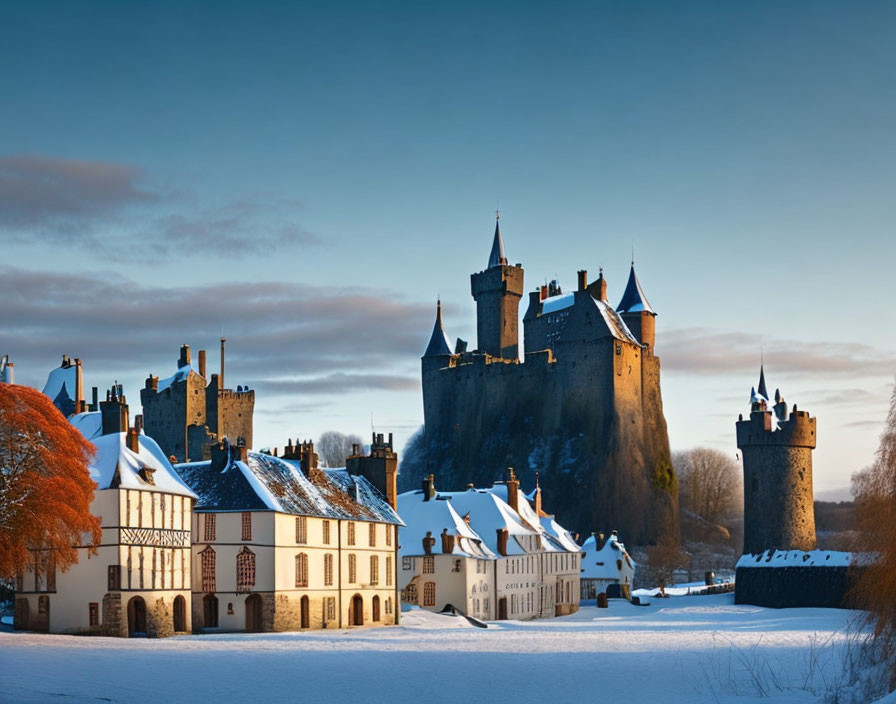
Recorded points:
765,427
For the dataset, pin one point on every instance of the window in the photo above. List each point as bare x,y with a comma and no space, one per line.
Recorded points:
388,605
388,571
429,564
328,570
208,569
43,604
374,571
301,530
372,534
325,527
351,533
457,565
331,608
410,593
247,525
50,564
429,594
94,611
245,570
388,538
114,578
406,563
301,570
352,569
485,606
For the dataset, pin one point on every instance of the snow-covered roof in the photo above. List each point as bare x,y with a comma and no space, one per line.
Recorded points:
559,533
615,324
633,299
89,423
116,465
267,483
555,303
797,558
497,257
438,341
602,564
180,375
434,516
61,381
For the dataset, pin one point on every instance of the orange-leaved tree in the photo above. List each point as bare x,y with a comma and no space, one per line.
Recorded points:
45,484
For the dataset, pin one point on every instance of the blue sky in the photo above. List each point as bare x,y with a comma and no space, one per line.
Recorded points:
313,176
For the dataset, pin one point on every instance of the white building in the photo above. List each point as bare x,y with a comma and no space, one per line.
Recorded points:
606,562
281,544
138,582
536,561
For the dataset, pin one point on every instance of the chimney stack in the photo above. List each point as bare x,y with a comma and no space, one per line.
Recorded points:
184,359
447,542
428,542
583,280
221,377
133,440
202,363
502,541
429,487
114,411
80,405
513,487
95,393
600,287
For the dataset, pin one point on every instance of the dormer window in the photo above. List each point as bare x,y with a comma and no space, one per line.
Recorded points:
146,474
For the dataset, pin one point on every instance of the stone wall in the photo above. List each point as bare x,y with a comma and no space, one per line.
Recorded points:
790,587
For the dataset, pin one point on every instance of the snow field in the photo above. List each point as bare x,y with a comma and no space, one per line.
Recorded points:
684,649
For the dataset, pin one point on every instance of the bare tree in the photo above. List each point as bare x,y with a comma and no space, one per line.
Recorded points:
875,588
664,560
333,447
709,482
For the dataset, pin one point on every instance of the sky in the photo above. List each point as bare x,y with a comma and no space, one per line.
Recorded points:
310,177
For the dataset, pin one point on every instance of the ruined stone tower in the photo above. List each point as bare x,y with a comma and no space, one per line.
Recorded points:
497,291
779,512
582,408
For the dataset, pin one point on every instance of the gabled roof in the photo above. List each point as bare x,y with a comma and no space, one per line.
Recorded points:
634,300
497,256
116,465
434,516
180,375
438,341
602,564
267,483
615,324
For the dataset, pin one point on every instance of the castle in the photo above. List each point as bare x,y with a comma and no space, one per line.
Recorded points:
584,409
188,412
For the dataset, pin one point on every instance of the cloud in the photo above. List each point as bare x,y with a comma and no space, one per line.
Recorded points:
707,352
283,338
53,194
100,206
877,424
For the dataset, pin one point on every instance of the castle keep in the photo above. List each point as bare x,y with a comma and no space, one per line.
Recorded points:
582,406
188,412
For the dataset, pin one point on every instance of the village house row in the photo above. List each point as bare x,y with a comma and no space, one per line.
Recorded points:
261,541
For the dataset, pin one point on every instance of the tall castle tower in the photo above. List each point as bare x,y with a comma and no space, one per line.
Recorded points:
779,512
497,292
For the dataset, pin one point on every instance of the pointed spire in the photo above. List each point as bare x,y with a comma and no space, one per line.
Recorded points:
634,300
438,341
762,390
497,256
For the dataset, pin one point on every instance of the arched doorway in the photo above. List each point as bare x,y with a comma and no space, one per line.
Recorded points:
180,614
305,612
253,613
356,611
210,611
136,617
502,608
376,608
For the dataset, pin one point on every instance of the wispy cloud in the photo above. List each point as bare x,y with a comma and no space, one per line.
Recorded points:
285,338
707,352
99,206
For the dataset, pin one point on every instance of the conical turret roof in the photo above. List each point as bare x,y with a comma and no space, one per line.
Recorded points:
497,256
438,341
763,391
634,300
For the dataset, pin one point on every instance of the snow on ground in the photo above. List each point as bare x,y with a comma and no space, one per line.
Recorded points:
695,649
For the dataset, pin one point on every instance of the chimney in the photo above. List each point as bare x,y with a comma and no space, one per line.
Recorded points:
599,287
138,422
133,440
599,541
221,378
429,487
308,458
80,406
428,542
202,363
447,542
184,358
544,292
583,280
152,382
220,455
114,411
513,487
95,393
502,541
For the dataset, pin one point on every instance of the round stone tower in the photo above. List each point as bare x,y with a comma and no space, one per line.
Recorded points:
776,446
